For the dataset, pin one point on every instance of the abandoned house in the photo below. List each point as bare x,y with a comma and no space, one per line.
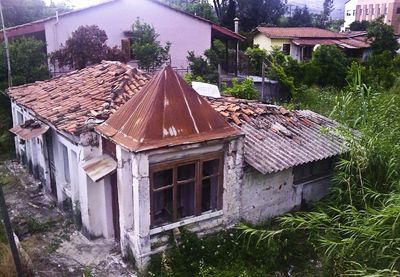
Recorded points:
139,157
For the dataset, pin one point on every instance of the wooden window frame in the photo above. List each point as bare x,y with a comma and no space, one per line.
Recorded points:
198,180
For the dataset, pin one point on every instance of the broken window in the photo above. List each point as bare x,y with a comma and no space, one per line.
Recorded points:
185,188
67,176
311,171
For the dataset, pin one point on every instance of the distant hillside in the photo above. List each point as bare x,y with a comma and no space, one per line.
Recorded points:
315,6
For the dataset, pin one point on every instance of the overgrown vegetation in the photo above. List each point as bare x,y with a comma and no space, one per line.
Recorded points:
244,89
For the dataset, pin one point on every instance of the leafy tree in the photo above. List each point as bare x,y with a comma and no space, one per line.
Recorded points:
29,64
86,46
382,36
382,70
18,12
359,25
28,61
301,18
332,64
327,9
146,48
200,8
254,12
256,57
206,67
229,14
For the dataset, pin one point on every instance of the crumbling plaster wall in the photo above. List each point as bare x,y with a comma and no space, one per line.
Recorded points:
265,196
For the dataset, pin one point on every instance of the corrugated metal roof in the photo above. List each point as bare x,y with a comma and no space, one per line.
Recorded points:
166,112
30,130
277,139
99,167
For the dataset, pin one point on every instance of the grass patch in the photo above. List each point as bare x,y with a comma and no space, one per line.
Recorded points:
54,245
35,226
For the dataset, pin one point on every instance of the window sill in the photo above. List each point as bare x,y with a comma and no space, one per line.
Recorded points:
186,221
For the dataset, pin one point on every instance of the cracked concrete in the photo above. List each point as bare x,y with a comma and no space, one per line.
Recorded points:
48,235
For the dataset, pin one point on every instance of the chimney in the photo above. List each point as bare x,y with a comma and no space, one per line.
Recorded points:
236,20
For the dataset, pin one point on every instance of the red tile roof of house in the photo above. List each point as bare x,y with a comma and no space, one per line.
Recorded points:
75,101
298,32
166,112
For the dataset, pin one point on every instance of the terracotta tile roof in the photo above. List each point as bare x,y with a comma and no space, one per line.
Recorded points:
278,139
298,32
75,101
166,112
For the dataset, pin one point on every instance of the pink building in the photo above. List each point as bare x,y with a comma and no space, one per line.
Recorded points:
186,32
368,10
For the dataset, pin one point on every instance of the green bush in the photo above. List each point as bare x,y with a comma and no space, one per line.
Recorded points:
256,57
206,67
228,254
332,64
243,90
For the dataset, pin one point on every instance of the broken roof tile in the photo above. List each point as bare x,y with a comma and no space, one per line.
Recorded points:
87,89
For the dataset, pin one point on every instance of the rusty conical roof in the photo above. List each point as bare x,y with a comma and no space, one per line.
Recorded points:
166,112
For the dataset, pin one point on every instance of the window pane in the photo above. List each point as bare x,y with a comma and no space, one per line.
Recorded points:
162,178
162,207
209,194
66,163
186,172
186,200
210,167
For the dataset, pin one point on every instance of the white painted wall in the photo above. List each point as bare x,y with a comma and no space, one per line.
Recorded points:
349,14
184,32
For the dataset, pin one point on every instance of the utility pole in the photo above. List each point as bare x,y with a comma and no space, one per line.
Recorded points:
10,233
6,47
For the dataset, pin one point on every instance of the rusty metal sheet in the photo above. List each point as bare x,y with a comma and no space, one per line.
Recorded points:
166,112
29,133
99,167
